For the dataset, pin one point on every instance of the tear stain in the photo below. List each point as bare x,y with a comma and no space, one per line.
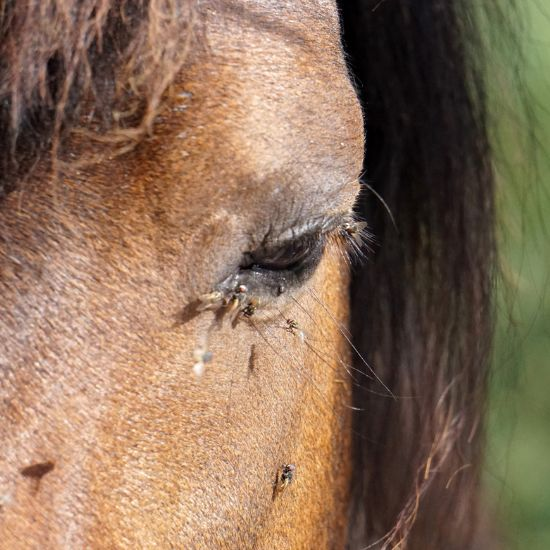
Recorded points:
202,357
201,354
35,472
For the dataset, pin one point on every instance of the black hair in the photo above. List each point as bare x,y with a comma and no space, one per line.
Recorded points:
422,306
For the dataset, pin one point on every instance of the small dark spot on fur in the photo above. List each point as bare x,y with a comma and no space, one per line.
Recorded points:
38,471
252,359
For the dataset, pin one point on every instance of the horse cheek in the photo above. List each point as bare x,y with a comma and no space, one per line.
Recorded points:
312,511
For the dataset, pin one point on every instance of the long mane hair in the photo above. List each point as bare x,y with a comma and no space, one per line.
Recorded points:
421,306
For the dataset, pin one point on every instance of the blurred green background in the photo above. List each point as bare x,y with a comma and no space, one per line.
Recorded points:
517,471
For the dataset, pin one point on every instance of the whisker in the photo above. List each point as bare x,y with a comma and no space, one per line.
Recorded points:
282,349
381,199
346,367
327,359
347,336
303,372
354,380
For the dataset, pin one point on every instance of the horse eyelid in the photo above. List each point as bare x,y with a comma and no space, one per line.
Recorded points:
321,225
311,237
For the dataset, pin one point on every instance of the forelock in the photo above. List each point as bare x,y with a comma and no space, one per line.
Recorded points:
62,59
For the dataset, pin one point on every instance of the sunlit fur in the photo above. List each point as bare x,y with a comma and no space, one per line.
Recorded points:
115,229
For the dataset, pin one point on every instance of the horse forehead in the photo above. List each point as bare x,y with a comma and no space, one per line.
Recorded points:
265,12
271,99
276,32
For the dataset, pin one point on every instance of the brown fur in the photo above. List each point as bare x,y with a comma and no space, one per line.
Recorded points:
99,264
144,146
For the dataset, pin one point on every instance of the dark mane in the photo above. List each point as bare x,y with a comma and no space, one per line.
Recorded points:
422,307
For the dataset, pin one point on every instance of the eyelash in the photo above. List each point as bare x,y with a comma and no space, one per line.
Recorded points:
292,262
273,268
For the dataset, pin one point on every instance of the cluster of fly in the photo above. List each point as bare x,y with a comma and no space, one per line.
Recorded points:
233,303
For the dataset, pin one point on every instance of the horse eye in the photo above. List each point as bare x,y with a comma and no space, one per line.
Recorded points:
289,263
